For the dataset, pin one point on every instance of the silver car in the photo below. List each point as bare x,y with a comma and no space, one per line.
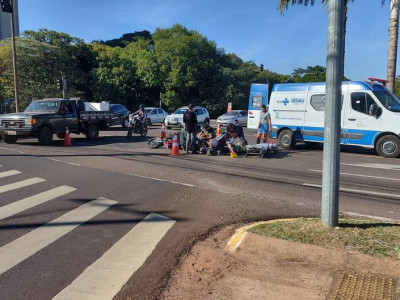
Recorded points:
176,119
240,115
155,115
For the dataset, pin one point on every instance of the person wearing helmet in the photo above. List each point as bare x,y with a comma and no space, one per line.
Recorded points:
141,114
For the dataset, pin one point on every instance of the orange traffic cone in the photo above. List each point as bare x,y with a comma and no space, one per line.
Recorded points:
218,129
163,134
175,145
67,138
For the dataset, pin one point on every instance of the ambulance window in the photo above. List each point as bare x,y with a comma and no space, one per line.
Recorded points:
318,102
361,102
257,101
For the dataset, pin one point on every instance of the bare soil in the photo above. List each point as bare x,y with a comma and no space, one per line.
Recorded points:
267,268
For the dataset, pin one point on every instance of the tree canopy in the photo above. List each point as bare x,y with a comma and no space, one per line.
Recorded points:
173,65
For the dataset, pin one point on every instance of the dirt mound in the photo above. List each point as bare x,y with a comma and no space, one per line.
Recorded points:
267,268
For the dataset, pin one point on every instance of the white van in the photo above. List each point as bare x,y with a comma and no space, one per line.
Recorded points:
370,115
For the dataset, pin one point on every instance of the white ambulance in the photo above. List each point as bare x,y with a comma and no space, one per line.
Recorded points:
370,115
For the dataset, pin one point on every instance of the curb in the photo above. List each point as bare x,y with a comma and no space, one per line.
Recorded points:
237,238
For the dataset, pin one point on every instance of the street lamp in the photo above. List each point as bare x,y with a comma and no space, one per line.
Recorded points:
8,7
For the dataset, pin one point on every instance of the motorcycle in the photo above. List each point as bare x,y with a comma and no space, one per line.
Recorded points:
137,126
157,142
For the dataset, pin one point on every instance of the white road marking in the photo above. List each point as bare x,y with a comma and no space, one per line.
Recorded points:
369,193
106,277
159,179
20,184
374,166
65,162
354,214
360,175
9,173
24,204
12,150
22,248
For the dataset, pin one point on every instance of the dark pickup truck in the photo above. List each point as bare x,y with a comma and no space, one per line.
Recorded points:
43,118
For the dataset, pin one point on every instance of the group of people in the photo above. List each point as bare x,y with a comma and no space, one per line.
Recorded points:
203,139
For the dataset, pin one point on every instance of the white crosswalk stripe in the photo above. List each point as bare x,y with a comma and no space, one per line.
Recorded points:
20,184
106,277
24,204
27,245
9,173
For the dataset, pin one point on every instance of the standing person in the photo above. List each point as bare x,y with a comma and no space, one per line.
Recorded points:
264,125
190,120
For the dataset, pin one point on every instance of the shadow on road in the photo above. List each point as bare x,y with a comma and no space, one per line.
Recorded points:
124,208
367,225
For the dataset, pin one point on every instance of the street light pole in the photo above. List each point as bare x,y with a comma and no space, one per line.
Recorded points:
332,131
14,57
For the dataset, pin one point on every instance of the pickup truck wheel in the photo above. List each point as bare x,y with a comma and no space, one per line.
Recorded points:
92,131
126,123
10,139
286,139
388,146
45,136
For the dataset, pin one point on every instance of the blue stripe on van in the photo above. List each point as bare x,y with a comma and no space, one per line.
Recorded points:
367,136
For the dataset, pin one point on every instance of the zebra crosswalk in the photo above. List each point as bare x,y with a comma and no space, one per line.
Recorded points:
106,276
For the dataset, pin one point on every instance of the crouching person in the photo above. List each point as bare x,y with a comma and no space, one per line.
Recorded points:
224,140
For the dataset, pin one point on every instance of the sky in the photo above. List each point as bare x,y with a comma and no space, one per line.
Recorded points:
253,29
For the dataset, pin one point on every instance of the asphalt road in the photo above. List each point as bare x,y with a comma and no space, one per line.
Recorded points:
198,194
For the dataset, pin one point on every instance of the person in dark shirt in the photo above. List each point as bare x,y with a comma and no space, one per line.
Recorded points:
239,131
190,120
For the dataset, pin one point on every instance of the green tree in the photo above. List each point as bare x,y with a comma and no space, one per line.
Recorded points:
76,62
114,77
38,68
188,66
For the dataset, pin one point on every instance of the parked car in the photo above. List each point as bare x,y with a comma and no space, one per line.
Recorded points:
240,115
155,115
120,115
176,119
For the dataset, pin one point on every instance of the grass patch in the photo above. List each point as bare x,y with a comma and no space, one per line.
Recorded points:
367,237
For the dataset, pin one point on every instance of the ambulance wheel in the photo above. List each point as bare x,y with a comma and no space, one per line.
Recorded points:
311,144
286,139
388,146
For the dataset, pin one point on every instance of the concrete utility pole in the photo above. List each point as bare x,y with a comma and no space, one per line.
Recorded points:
332,132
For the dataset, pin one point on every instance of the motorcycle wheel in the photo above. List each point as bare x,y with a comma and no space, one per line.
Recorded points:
155,143
143,132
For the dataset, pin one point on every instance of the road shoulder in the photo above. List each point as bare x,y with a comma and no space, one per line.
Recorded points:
267,268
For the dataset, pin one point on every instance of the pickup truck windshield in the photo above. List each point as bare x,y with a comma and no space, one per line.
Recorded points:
43,106
388,100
